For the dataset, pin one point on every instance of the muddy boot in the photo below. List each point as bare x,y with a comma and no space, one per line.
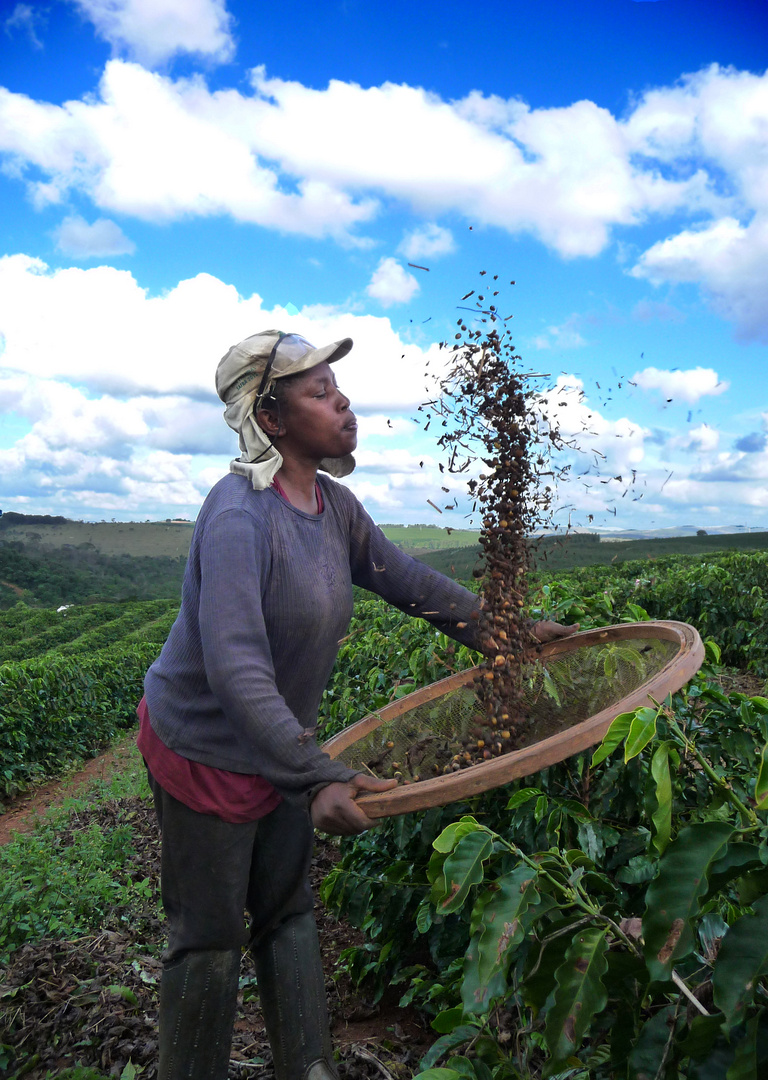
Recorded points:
292,995
198,997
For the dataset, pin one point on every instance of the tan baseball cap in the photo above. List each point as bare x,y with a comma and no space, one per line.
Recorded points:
251,367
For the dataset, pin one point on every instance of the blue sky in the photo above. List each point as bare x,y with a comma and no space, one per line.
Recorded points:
178,174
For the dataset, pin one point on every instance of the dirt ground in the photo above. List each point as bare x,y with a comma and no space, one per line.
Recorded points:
93,1001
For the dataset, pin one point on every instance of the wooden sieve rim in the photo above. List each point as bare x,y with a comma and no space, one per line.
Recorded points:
440,790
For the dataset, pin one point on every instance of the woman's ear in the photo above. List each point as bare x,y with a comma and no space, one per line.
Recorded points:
270,423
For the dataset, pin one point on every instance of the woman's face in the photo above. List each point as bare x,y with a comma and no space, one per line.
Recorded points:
315,420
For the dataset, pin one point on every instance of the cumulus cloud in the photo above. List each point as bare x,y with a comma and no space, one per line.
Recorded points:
280,155
113,391
105,332
714,120
689,385
76,238
429,241
153,31
729,261
703,439
392,284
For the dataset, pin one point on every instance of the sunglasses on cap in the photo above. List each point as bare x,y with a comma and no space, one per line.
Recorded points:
292,347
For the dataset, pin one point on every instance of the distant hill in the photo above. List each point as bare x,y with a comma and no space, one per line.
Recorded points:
417,538
567,552
155,539
53,561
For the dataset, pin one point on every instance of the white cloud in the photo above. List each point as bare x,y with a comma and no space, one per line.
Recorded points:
158,150
391,284
25,18
75,237
566,336
153,31
280,155
388,426
115,387
728,260
703,439
104,332
715,119
429,241
688,385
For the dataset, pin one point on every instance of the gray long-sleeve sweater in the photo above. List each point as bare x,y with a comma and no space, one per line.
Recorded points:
267,596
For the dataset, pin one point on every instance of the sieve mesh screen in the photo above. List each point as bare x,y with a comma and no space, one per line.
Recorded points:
450,732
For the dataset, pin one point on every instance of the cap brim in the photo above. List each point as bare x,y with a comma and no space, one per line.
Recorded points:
330,353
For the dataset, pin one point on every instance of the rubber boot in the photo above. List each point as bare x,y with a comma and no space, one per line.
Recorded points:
198,999
289,972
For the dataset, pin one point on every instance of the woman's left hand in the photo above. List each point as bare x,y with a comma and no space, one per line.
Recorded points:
335,811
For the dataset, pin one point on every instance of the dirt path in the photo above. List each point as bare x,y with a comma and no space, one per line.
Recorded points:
21,813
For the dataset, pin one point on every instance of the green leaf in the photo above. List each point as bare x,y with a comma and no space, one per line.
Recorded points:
579,996
649,1048
752,886
614,736
523,796
717,1064
641,732
460,1035
741,961
761,784
447,1020
464,868
673,897
748,1062
703,1033
662,815
437,1074
424,917
450,836
497,922
463,1067
501,915
737,860
712,650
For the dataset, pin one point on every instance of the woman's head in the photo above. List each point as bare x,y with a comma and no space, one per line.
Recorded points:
248,381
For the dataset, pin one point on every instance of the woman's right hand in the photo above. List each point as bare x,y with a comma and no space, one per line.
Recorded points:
335,811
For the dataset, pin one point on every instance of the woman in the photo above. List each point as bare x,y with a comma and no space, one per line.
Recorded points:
230,708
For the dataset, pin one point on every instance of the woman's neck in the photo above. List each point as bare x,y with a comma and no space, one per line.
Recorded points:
297,479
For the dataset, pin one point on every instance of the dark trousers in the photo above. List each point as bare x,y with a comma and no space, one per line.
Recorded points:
212,872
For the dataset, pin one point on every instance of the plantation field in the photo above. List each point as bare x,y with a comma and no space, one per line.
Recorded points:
51,577
152,539
567,552
419,538
603,919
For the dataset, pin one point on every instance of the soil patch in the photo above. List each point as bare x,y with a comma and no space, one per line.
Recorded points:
93,1001
21,813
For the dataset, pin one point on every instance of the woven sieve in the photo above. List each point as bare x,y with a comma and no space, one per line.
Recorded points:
573,691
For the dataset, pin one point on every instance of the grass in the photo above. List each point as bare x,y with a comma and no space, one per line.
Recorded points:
71,873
